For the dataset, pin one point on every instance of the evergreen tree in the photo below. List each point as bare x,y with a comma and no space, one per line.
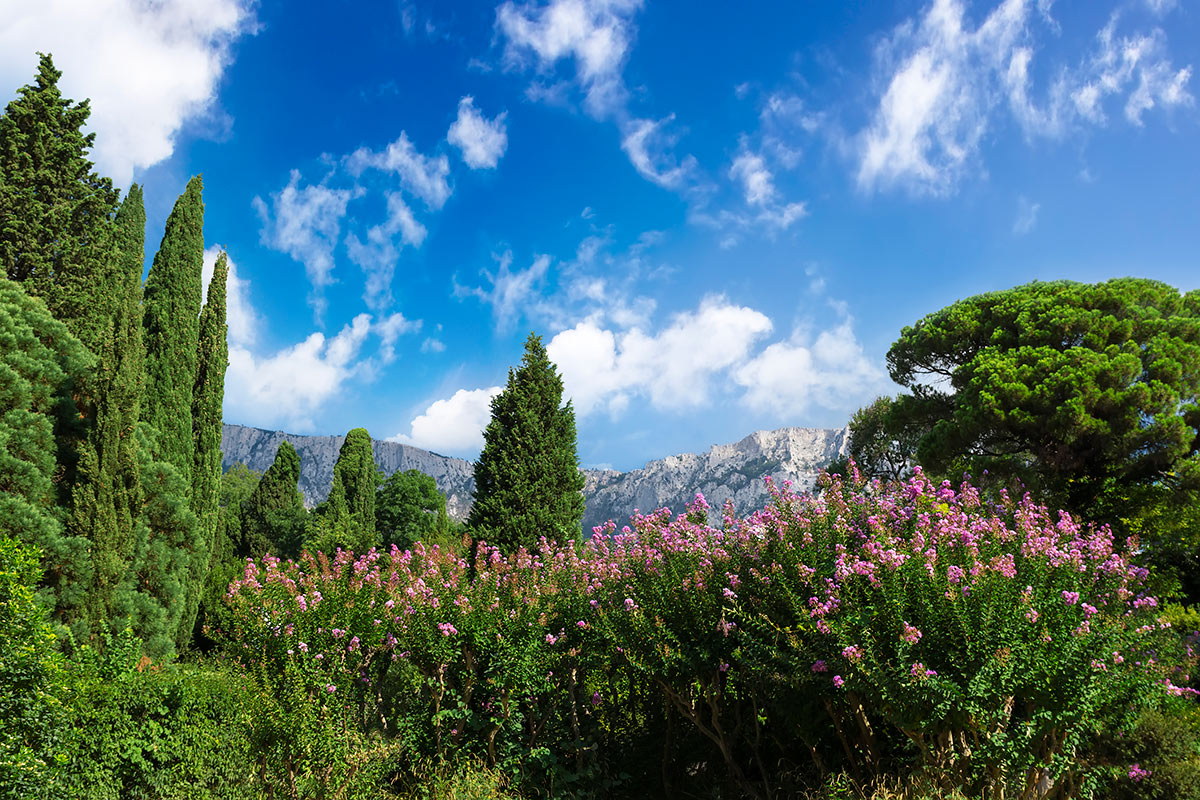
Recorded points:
40,367
54,210
348,520
172,329
527,479
114,504
274,518
208,395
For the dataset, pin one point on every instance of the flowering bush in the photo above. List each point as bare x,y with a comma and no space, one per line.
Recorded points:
913,627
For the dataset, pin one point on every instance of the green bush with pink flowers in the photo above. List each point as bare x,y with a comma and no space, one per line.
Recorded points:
915,630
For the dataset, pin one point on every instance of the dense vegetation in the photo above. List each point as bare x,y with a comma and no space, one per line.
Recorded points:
169,631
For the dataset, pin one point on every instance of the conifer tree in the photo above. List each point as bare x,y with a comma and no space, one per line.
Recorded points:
41,364
349,519
115,506
172,329
55,236
527,478
273,519
208,396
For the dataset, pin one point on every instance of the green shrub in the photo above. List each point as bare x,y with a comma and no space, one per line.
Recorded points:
31,682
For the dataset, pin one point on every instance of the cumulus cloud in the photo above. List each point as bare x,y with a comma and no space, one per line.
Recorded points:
424,176
481,140
945,81
305,223
602,368
148,68
240,315
786,378
285,389
378,255
453,425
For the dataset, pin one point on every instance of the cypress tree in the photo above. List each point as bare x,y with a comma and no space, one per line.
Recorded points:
274,517
54,210
208,394
117,497
349,519
41,364
527,478
172,329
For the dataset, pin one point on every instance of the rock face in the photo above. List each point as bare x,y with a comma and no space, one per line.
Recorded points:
726,471
256,448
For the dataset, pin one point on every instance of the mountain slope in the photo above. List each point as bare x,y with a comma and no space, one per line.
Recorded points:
727,471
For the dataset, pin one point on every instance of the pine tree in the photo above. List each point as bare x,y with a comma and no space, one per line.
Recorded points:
41,364
172,329
527,479
55,237
274,518
208,395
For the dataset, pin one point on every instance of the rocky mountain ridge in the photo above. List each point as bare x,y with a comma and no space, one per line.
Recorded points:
726,471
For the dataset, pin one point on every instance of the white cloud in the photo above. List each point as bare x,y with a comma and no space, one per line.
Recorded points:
758,184
148,68
596,34
287,388
453,425
786,378
648,145
391,328
944,82
378,255
240,315
432,345
1027,214
305,223
602,368
512,292
482,141
424,176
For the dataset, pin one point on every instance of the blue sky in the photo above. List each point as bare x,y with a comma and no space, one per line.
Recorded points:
718,216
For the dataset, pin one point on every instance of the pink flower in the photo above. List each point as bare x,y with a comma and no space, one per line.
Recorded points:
911,634
819,666
1137,774
329,687
852,653
837,681
1070,598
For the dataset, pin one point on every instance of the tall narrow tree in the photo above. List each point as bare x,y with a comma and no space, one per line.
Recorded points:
118,380
172,329
349,520
274,517
208,395
527,479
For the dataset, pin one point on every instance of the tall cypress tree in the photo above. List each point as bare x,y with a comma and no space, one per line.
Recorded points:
274,517
118,379
208,395
349,520
171,311
527,478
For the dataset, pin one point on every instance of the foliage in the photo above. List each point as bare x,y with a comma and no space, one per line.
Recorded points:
141,730
871,628
527,478
1088,393
349,518
207,398
31,682
273,519
881,446
41,364
409,508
